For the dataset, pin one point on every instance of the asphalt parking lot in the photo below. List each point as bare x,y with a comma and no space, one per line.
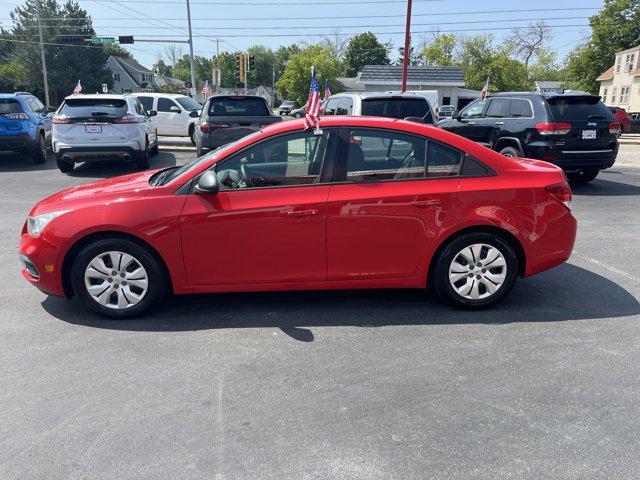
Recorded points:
348,385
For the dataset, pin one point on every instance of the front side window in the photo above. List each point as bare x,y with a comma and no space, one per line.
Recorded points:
332,106
498,108
474,110
139,108
284,161
345,107
188,103
164,105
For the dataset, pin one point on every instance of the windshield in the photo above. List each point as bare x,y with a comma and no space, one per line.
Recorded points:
395,107
188,103
238,106
577,108
86,107
166,176
287,103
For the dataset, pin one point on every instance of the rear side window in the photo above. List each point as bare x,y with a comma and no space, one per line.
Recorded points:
577,108
238,106
331,107
520,108
345,107
8,105
443,161
87,107
498,108
395,107
147,102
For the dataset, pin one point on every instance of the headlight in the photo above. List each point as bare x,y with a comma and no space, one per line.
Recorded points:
36,224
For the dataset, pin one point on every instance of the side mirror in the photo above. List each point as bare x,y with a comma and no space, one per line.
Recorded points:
456,115
208,183
194,114
152,113
175,109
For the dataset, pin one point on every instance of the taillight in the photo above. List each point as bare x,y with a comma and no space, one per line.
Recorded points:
561,192
16,116
128,119
548,128
614,128
208,127
60,120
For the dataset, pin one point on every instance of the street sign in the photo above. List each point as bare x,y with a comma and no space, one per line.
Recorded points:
105,88
103,40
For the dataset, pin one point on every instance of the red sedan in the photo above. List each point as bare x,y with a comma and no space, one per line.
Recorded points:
369,203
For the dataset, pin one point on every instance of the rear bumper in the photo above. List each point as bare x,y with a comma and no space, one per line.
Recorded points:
17,142
554,244
574,158
41,264
94,153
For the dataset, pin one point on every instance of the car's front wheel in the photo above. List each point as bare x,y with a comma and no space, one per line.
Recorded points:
118,278
65,165
475,270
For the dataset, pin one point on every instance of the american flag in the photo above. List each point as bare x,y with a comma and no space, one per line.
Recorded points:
327,90
206,88
485,88
78,88
312,109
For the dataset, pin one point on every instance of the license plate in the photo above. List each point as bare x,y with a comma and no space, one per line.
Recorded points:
93,129
589,134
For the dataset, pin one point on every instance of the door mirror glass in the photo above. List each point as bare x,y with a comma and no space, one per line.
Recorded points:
208,183
175,109
152,113
194,113
455,115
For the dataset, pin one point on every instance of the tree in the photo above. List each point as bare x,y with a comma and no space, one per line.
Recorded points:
202,68
294,83
614,28
226,62
336,43
161,68
364,49
440,51
65,64
12,77
414,58
545,66
530,41
264,65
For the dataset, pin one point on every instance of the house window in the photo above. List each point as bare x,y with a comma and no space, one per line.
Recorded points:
604,96
624,95
146,77
116,77
617,64
613,94
126,90
630,61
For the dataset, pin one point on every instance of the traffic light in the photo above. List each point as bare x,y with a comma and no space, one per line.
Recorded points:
252,63
73,39
240,67
125,39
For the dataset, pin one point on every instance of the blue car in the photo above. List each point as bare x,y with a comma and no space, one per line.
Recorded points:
25,125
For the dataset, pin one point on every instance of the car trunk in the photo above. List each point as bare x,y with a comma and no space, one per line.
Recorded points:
93,120
589,120
10,122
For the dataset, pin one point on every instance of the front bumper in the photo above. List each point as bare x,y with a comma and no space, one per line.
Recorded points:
41,264
17,142
574,158
95,153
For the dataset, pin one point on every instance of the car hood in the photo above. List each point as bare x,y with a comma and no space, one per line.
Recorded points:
111,189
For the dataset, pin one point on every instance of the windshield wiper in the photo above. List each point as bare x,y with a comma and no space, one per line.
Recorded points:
161,176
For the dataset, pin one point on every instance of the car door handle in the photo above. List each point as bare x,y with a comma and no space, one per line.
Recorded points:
302,213
425,203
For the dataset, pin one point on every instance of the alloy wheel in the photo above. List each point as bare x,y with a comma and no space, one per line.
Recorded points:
477,271
116,280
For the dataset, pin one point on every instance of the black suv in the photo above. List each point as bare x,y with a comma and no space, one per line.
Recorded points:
572,130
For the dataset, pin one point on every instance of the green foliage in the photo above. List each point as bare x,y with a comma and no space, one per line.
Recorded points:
162,68
441,51
294,83
226,62
614,28
12,77
264,66
202,67
365,49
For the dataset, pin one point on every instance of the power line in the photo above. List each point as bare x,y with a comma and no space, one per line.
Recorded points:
269,4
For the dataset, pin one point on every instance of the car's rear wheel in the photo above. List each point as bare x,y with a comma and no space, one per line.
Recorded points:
475,270
510,152
118,278
65,166
584,176
40,151
154,150
142,162
192,134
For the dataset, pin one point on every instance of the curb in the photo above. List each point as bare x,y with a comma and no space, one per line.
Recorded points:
176,148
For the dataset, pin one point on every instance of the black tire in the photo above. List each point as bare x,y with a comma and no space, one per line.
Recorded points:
510,152
39,154
142,162
584,176
440,272
154,150
65,166
157,278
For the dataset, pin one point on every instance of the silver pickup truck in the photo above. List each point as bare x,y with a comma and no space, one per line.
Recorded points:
226,118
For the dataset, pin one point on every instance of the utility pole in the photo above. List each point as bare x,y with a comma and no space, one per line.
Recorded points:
273,85
407,42
44,62
193,69
218,62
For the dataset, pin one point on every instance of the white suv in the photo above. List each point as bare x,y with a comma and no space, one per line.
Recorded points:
177,114
99,127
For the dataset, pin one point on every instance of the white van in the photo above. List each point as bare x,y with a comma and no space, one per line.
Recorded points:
177,113
417,104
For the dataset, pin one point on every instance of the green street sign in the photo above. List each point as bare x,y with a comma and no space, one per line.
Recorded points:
103,40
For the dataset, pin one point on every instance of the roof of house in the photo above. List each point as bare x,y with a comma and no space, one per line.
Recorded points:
415,75
548,84
133,64
608,75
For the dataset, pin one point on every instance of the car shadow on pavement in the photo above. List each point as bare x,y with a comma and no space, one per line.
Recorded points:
114,168
565,293
600,188
16,162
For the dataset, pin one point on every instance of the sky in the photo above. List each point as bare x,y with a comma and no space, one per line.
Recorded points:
241,23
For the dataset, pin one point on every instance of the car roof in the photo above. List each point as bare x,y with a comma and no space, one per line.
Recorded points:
155,94
387,94
14,95
108,96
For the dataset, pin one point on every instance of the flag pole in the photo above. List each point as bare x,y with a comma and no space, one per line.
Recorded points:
407,42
